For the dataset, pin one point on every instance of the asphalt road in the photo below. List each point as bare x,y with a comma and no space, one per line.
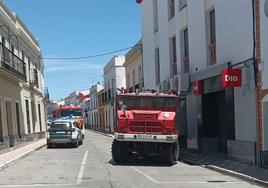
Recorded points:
90,165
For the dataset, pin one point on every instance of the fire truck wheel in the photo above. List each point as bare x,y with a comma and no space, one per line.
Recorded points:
118,152
172,154
115,151
49,145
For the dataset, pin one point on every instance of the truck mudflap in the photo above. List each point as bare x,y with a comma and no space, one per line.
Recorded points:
145,138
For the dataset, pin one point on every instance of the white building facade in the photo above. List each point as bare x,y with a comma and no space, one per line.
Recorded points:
22,108
94,116
114,77
197,40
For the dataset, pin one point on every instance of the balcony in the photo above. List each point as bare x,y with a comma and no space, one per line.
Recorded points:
34,79
212,53
186,64
11,64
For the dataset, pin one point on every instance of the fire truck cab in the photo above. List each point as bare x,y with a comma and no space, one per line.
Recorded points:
146,126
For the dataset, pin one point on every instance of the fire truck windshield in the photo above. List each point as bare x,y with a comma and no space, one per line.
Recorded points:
148,102
67,113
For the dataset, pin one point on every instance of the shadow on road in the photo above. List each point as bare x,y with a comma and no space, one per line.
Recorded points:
142,162
62,146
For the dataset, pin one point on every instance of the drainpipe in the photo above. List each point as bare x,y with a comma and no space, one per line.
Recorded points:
257,60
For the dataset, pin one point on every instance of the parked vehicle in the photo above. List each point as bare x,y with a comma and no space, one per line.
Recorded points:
73,113
64,132
146,126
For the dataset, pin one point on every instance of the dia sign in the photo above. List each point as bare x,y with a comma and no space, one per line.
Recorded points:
231,78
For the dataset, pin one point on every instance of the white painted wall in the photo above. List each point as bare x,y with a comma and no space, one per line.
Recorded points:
234,43
264,45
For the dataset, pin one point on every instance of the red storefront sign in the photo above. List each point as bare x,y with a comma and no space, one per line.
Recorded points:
231,78
197,87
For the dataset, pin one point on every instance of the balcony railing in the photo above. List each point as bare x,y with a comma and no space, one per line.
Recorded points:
12,63
186,64
212,53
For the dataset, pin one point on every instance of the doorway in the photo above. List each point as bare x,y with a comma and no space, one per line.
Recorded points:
10,123
218,118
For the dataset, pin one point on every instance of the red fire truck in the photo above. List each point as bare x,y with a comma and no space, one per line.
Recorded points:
67,111
146,126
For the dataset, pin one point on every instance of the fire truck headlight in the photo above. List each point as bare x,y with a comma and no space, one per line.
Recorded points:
165,115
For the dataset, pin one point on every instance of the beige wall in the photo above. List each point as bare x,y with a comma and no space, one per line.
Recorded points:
133,67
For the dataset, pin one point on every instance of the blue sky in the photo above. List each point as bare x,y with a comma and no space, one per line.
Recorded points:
67,28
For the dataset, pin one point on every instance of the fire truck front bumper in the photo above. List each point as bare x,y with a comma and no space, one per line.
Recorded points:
146,138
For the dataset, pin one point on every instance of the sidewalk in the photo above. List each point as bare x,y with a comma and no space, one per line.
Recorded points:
227,165
9,157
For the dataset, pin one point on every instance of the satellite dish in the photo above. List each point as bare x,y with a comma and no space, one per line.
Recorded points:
266,8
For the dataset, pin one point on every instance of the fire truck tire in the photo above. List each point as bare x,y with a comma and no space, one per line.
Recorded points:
172,154
118,152
49,145
81,142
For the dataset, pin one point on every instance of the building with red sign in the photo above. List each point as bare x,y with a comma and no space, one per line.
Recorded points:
204,49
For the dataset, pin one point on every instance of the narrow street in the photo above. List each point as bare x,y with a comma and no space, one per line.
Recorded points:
90,166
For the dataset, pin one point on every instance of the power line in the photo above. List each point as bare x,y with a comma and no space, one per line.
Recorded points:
90,56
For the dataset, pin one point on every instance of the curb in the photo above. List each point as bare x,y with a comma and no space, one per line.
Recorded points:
230,172
24,155
236,174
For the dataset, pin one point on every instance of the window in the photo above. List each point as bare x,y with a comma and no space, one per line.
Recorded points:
171,8
36,78
186,51
40,118
22,56
12,49
212,27
18,118
182,4
128,80
140,75
133,78
155,9
173,56
212,37
28,116
1,123
157,66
